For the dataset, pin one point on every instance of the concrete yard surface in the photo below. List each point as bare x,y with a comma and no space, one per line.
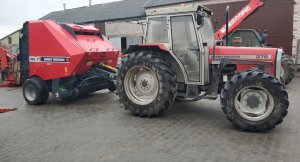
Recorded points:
96,128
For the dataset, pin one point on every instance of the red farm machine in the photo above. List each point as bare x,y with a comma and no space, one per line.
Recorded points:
9,68
67,60
181,60
252,38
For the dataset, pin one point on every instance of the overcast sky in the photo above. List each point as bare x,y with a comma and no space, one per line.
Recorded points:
14,12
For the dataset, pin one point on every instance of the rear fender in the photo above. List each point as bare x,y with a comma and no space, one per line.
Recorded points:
161,49
146,47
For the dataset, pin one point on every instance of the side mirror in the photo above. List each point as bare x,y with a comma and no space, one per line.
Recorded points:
200,18
264,37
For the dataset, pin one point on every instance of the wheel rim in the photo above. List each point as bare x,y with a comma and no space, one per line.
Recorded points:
254,103
30,93
141,85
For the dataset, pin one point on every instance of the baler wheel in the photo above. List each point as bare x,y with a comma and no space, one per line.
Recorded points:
287,69
254,101
146,84
35,91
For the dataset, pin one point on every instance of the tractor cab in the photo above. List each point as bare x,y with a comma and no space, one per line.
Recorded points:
187,32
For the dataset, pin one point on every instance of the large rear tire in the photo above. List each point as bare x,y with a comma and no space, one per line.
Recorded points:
146,84
35,91
254,101
287,69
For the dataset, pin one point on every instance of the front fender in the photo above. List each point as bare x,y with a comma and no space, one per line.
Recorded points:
272,56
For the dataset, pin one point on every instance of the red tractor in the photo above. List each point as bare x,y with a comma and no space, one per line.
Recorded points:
66,59
251,38
181,60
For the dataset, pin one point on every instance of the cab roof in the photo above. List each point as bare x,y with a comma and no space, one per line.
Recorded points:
177,9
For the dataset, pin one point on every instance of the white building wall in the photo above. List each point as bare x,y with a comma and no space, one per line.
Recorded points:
296,30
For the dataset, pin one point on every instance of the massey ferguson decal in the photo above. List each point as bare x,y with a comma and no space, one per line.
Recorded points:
51,59
244,57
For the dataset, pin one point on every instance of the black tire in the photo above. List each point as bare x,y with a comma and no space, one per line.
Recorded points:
288,66
4,74
259,79
167,88
38,88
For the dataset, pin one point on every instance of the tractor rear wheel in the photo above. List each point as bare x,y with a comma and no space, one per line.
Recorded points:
254,101
35,91
287,69
146,84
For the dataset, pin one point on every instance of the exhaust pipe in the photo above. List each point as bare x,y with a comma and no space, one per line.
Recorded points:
227,24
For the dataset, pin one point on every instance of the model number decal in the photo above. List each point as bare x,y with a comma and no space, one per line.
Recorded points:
263,57
49,59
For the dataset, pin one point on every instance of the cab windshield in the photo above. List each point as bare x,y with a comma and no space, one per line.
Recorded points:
207,31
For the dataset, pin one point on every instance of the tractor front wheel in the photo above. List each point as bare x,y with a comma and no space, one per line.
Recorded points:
254,101
35,91
146,84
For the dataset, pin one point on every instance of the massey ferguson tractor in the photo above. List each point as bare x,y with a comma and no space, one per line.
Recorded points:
251,38
66,59
181,60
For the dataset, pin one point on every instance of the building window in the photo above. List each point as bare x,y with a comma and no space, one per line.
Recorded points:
9,40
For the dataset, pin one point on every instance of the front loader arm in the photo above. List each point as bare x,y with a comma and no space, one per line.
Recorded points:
234,22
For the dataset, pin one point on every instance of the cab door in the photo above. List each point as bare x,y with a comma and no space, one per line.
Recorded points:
185,45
